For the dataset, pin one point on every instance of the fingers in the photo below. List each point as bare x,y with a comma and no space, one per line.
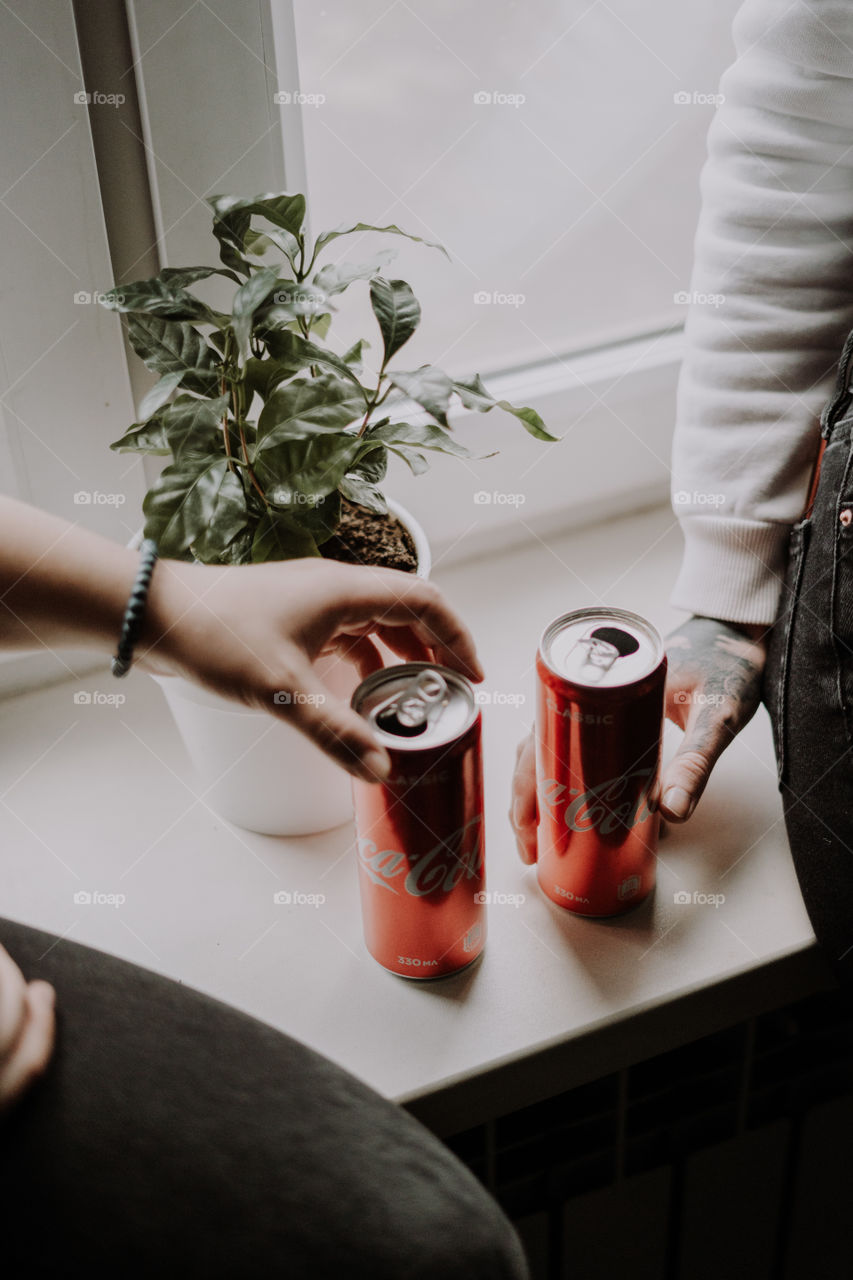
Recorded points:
361,651
392,598
32,1049
523,814
687,773
405,644
333,726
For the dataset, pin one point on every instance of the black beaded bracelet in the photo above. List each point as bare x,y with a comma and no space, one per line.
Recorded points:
135,611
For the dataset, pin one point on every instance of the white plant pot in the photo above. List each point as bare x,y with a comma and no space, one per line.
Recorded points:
259,772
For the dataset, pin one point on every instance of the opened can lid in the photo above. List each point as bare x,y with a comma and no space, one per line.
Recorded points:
415,705
601,648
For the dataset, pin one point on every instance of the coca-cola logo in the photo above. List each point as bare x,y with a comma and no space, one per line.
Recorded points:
437,870
617,804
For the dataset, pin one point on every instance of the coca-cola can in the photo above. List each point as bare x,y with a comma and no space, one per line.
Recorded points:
420,832
599,722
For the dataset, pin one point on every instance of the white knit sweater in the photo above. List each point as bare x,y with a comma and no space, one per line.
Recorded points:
775,239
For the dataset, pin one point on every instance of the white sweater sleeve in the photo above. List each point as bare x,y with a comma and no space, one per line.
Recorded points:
775,239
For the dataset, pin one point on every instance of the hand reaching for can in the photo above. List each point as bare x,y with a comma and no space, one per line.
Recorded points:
253,632
713,689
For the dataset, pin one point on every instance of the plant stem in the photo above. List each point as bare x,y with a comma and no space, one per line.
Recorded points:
252,475
225,429
238,408
374,400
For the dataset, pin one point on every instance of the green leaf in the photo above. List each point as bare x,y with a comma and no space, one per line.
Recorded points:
247,299
144,437
159,393
297,472
231,227
429,387
353,357
289,302
238,550
263,376
232,217
337,276
319,325
397,310
279,208
168,346
320,517
257,243
194,427
164,295
372,462
279,537
475,396
415,461
326,237
227,524
260,242
193,501
293,353
363,493
530,420
422,435
308,406
218,542
182,276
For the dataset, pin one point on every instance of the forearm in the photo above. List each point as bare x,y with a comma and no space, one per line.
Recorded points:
61,585
772,250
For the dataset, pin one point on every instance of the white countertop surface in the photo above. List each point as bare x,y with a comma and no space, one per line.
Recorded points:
102,798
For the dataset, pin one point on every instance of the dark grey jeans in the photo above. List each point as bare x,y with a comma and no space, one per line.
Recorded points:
174,1136
808,690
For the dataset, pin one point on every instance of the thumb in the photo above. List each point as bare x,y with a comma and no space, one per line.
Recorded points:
686,776
334,727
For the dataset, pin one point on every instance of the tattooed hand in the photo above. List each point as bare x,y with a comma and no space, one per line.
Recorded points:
713,687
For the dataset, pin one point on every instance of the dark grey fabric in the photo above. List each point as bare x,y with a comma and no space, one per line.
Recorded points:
173,1135
808,690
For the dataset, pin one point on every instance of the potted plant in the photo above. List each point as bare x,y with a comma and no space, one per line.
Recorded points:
278,449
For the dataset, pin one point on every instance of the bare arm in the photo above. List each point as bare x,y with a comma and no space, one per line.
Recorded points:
247,632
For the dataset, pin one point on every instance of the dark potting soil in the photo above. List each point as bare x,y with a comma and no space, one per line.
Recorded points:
365,537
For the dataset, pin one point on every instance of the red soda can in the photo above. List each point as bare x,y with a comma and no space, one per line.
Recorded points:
420,832
599,722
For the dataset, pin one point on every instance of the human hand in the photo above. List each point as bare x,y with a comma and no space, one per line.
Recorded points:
524,813
252,632
713,689
27,1030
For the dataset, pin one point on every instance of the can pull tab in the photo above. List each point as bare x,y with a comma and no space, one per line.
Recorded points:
408,711
600,649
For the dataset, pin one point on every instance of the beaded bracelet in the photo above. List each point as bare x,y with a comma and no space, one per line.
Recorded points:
135,611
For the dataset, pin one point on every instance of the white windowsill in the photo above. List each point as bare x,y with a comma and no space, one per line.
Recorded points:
101,798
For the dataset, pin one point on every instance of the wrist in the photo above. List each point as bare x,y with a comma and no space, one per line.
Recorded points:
170,598
755,631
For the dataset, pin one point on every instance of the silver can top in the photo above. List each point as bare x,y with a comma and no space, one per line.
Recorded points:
601,648
416,705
